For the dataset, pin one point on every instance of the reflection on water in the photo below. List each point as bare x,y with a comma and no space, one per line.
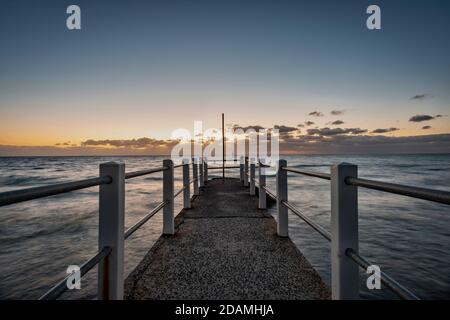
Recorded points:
408,238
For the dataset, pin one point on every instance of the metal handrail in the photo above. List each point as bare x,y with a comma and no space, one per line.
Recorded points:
61,286
226,167
140,173
414,192
311,223
320,175
180,191
12,197
141,222
270,193
396,287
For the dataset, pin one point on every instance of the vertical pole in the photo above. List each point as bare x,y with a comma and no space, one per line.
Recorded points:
111,231
246,172
195,176
344,233
282,195
205,167
241,170
168,186
186,185
223,147
252,178
262,184
200,169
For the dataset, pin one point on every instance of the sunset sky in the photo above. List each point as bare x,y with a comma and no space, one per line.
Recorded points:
141,69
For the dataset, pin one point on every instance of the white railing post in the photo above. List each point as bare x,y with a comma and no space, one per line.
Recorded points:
205,167
241,170
252,178
186,185
344,233
111,231
168,187
262,184
195,176
282,195
246,172
200,169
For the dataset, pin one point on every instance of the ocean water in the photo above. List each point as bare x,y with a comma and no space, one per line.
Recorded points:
408,238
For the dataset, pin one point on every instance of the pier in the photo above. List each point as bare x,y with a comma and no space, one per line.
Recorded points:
224,244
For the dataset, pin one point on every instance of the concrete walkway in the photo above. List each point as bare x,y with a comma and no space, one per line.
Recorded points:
225,248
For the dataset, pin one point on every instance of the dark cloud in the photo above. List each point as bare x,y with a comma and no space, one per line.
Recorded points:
358,144
316,114
337,112
385,130
420,118
254,127
439,116
326,132
300,125
337,122
285,129
308,123
130,143
420,97
426,127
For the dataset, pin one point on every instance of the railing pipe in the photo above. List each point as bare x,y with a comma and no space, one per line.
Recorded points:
186,185
168,197
111,231
200,169
344,233
282,195
246,172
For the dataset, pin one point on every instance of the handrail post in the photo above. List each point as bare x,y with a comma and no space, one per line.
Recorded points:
195,176
200,169
344,233
186,185
262,184
252,178
111,231
241,170
282,195
246,172
168,187
205,167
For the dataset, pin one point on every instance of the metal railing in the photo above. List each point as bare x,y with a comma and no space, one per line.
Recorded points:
111,234
345,258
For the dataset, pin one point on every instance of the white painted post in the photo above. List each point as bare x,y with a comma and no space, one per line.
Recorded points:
282,195
205,167
241,170
344,233
186,185
246,172
262,184
111,231
252,178
168,187
195,176
200,169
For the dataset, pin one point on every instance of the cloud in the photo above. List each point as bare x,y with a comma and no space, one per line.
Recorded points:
285,129
337,122
337,112
420,118
301,125
421,97
359,144
426,127
254,127
308,123
385,130
326,132
316,114
130,143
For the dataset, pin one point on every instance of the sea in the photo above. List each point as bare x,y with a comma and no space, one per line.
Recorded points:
409,239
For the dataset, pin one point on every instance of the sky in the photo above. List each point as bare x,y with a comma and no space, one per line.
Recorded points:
137,70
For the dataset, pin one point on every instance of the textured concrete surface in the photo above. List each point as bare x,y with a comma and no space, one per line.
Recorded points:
225,248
